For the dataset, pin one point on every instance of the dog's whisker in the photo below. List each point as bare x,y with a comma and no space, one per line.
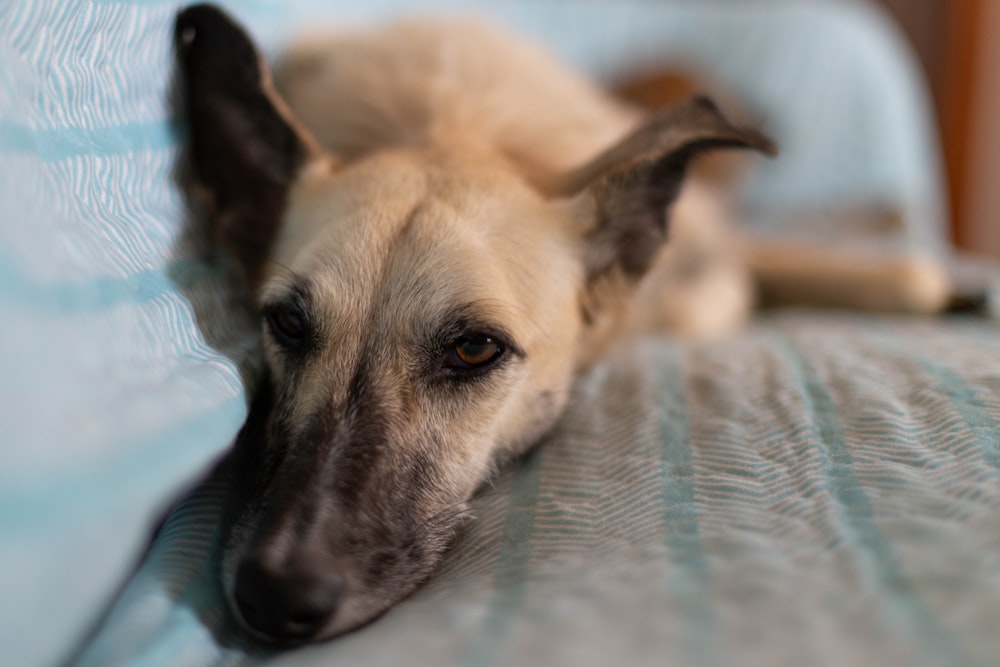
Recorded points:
444,515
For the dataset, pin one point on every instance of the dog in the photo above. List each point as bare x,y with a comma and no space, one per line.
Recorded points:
442,227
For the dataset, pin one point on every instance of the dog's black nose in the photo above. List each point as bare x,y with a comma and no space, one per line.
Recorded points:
290,604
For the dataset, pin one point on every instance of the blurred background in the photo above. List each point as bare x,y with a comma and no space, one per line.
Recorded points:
958,45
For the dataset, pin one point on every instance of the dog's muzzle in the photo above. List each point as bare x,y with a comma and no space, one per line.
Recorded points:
287,604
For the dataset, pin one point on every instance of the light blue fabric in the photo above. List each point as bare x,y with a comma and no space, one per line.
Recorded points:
819,490
122,351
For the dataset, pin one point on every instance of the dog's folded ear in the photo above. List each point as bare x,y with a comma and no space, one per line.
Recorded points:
627,191
245,147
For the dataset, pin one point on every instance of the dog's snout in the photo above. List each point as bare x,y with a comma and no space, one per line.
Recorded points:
289,604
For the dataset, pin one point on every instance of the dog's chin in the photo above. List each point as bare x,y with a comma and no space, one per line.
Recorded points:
355,613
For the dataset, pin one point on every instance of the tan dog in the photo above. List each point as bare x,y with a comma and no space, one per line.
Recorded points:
461,229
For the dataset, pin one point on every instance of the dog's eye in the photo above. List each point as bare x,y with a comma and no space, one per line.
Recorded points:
287,325
474,351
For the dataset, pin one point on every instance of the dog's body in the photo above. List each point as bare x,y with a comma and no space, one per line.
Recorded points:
462,228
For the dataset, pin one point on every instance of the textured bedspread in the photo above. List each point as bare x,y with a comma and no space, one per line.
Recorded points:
821,490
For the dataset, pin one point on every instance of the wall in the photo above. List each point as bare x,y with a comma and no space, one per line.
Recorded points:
982,186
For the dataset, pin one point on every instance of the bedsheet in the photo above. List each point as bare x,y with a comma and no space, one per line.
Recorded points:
820,490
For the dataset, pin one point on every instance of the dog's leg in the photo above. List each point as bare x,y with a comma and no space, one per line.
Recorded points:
789,273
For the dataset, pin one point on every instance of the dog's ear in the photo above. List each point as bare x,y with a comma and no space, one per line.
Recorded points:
246,148
626,192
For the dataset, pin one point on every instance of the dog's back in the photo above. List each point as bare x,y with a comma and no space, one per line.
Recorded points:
418,82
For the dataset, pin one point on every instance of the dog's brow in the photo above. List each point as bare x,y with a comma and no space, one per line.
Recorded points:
297,291
410,220
286,268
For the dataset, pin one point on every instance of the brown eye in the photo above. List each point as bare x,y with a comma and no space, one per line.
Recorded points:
287,324
474,351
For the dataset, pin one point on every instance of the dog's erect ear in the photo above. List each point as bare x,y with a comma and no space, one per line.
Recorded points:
245,146
628,189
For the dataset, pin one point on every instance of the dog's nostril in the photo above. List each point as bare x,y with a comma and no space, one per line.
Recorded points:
303,626
291,604
249,609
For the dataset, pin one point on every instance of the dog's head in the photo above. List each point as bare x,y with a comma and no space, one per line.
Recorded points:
424,310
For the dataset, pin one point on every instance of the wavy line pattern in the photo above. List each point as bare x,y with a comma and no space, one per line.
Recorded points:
819,490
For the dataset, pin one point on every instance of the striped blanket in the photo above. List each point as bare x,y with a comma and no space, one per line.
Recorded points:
821,490
818,490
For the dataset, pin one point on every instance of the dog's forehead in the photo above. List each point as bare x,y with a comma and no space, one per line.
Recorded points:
407,235
344,220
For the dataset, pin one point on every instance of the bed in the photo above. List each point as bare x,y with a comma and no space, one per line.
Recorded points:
822,489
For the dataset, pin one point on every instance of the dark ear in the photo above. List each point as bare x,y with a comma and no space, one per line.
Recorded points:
631,186
246,149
